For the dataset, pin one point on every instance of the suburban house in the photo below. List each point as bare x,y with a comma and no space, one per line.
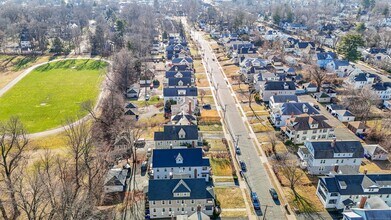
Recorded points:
25,40
372,208
172,197
333,108
177,136
250,67
358,81
346,191
331,155
387,104
323,58
186,163
115,180
291,109
322,97
357,127
382,90
261,78
188,61
310,87
304,128
177,95
276,101
336,65
271,88
173,50
344,115
294,27
132,93
375,152
304,47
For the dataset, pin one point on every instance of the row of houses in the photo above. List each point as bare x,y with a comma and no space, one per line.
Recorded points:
179,184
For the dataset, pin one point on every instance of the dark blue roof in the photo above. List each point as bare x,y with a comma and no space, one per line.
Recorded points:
170,132
339,63
382,86
377,50
181,68
325,149
362,77
192,157
130,105
178,60
171,74
163,189
354,183
303,45
186,81
279,85
173,92
297,108
326,55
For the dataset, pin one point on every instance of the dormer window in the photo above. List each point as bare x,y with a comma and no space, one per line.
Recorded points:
305,108
180,83
182,92
181,134
179,159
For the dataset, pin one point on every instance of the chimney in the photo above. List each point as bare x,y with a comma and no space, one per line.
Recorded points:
362,202
333,142
365,172
189,107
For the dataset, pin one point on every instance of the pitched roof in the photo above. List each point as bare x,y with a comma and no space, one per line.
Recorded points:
170,132
362,77
130,105
326,55
116,177
177,68
284,98
302,123
182,115
163,189
326,149
340,63
297,108
171,74
185,81
192,157
375,149
278,85
173,92
355,183
180,59
381,86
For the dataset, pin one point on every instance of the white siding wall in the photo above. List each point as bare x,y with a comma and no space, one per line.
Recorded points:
164,173
161,209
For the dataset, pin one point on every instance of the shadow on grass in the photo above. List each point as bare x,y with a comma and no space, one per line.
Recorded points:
87,64
305,207
23,62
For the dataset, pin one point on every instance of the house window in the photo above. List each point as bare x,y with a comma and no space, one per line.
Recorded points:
163,210
189,168
341,161
192,209
334,194
192,201
154,202
183,209
165,170
304,132
314,131
332,201
169,209
183,201
154,210
163,202
337,161
169,202
157,170
354,161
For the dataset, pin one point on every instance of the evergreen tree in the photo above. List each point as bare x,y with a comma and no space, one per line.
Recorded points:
348,46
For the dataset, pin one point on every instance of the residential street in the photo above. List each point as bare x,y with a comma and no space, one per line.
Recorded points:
256,175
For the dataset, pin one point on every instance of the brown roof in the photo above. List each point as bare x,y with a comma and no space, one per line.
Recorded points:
358,125
302,123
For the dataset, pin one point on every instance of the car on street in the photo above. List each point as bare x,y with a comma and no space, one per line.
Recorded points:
317,107
207,107
255,200
147,97
144,166
243,166
273,193
238,151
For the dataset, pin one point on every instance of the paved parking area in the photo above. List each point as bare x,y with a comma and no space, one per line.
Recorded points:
341,131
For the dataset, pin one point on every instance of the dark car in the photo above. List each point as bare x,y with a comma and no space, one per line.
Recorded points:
243,166
207,107
317,107
255,200
238,151
273,193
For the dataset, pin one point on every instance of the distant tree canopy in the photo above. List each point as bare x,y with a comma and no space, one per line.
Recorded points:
348,46
360,27
368,3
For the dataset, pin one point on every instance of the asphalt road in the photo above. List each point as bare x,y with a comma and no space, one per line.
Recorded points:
256,175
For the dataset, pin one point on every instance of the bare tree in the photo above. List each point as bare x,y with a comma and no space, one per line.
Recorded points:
273,140
360,101
13,143
202,94
290,169
318,75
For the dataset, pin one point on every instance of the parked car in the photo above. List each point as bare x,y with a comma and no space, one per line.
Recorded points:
147,97
238,151
144,166
241,174
243,166
317,107
207,107
273,193
255,200
149,152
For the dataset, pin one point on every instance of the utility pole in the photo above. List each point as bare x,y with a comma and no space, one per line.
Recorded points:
225,110
264,215
237,140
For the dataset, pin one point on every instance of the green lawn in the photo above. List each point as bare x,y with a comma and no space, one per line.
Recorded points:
50,94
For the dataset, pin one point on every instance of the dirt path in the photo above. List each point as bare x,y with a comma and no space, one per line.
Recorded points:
103,93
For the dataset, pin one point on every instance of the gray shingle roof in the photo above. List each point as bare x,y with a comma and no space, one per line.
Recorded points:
354,183
278,85
297,108
171,132
302,123
163,189
325,150
284,98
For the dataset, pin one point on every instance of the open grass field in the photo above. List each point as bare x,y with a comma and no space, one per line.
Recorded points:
229,197
50,94
221,166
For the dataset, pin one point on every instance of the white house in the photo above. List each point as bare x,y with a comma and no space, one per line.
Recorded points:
358,81
372,208
271,88
264,76
375,152
336,65
169,198
178,95
291,109
344,115
387,104
309,87
250,67
382,90
177,136
305,128
346,191
115,180
186,163
330,155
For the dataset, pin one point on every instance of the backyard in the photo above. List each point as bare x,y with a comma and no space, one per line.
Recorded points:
52,93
